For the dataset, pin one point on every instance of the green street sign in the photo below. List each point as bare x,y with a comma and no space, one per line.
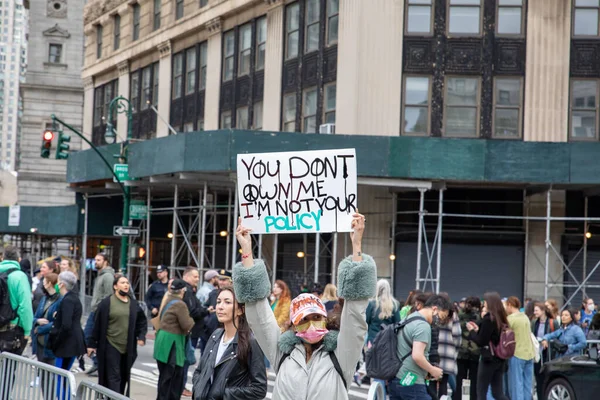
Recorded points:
122,172
138,209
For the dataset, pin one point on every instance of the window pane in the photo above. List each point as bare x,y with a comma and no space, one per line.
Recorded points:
310,125
586,22
312,38
330,92
462,91
509,20
261,30
506,123
333,7
257,115
461,121
310,102
228,73
312,11
584,94
465,2
332,32
293,18
226,120
583,124
419,19
416,91
241,119
330,117
245,37
289,107
589,3
244,63
260,57
464,20
292,45
229,44
508,92
510,2
415,119
419,1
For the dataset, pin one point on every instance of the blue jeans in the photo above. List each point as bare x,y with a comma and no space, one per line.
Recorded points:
186,365
414,392
87,332
452,382
383,383
520,378
64,363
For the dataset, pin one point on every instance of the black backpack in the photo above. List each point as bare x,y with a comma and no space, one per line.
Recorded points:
381,359
7,313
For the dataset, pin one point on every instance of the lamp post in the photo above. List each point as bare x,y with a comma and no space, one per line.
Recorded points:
123,106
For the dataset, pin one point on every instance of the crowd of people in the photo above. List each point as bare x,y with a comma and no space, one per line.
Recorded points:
313,343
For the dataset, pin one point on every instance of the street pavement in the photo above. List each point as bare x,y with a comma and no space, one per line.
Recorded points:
144,377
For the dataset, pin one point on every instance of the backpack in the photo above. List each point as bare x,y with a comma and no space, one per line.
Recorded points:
505,348
381,359
7,313
334,360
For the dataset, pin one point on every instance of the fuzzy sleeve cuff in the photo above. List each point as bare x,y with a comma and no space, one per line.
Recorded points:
251,284
357,279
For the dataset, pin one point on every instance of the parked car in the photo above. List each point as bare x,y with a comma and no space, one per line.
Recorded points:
572,377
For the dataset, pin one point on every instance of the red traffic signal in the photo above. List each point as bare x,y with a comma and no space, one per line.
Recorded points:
48,136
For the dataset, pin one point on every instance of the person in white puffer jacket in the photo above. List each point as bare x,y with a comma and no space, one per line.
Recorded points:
310,361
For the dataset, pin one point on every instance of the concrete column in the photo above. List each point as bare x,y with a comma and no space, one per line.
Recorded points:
548,47
123,91
273,67
213,75
164,89
535,268
369,70
88,109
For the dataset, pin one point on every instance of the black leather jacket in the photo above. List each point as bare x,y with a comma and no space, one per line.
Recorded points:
230,380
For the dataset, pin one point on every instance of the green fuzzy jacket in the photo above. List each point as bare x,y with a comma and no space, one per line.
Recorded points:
20,295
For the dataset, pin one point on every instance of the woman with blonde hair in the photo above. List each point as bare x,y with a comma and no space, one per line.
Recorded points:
280,304
384,309
329,298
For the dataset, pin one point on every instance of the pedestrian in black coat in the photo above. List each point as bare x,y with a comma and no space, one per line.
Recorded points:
69,341
114,366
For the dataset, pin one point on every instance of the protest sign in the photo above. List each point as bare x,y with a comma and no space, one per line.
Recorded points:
297,192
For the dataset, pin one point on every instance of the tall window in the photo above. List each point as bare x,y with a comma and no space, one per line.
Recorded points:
418,17
461,113
203,63
289,112
177,75
333,11
464,17
98,106
329,104
134,92
510,17
258,116
228,56
507,108
155,84
309,111
136,22
241,118
190,71
261,42
156,20
99,33
245,49
416,103
116,32
585,17
55,53
178,9
226,120
292,33
146,87
312,20
584,109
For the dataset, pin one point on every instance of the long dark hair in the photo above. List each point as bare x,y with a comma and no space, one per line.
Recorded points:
243,329
472,304
496,309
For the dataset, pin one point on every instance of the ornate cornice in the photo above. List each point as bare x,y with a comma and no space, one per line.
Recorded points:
214,26
164,49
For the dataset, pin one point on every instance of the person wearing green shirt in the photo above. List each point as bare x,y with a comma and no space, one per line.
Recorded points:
19,292
520,366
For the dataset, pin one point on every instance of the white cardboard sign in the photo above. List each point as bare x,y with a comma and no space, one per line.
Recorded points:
297,192
14,215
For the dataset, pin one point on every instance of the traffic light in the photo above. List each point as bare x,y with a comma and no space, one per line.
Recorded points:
46,143
62,147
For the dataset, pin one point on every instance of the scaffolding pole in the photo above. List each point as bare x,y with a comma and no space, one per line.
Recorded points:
526,255
420,234
174,228
83,268
334,259
214,231
235,219
274,268
229,234
317,255
203,229
439,242
393,241
547,254
585,242
148,233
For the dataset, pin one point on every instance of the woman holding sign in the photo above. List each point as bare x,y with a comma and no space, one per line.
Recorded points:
332,355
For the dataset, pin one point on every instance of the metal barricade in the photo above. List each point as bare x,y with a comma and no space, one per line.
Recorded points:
25,379
93,391
376,391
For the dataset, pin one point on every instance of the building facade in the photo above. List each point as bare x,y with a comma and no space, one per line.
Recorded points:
445,70
13,66
53,86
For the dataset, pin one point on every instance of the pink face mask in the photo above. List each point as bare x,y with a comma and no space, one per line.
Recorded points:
312,332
